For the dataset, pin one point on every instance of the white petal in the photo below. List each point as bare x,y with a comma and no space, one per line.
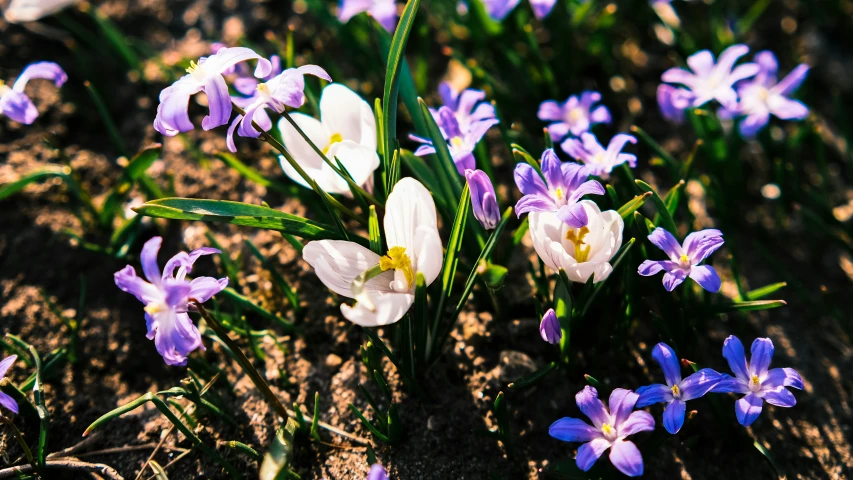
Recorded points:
338,262
547,232
389,308
360,161
580,272
31,10
428,252
297,146
408,207
343,112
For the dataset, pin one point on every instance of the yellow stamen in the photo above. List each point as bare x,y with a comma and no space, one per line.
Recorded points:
675,390
755,380
153,308
575,114
335,138
576,236
193,67
558,193
264,88
607,429
684,258
398,260
456,142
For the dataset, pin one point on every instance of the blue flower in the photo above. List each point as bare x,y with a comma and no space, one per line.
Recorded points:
6,401
684,260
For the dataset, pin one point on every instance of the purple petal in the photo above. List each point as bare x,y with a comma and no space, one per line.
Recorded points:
591,406
448,123
748,408
46,70
761,354
550,111
218,101
229,136
673,278
589,452
18,107
742,72
666,242
176,337
678,75
527,180
350,8
468,99
665,356
776,377
637,422
779,397
8,403
699,383
478,129
127,281
6,364
573,430
225,58
706,276
314,70
753,123
534,203
573,215
483,200
424,150
672,102
557,131
448,95
626,457
652,267
651,394
173,111
550,331
730,56
617,143
733,352
148,259
551,169
673,416
699,245
246,85
729,384
464,162
202,288
768,67
600,115
621,404
176,293
792,81
590,187
385,12
542,8
787,109
377,473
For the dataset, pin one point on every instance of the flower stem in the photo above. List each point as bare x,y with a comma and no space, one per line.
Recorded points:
258,380
20,438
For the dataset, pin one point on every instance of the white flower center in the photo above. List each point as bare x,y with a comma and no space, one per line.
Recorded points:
684,261
609,432
676,392
457,142
4,89
574,115
197,72
755,384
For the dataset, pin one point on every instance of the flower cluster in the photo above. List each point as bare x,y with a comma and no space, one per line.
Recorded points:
14,102
749,90
610,428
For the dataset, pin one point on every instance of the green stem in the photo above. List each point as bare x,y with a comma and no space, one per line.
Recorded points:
20,438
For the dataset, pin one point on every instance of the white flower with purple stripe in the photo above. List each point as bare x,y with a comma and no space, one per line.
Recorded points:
598,160
6,401
609,430
167,298
684,260
563,186
204,76
677,391
708,79
15,104
756,379
576,115
763,96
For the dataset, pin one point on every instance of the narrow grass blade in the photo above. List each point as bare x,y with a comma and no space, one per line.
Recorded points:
45,173
251,174
533,378
134,170
633,205
245,303
670,161
666,221
103,111
744,306
764,291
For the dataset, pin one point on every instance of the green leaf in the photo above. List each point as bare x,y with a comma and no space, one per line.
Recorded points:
672,196
278,458
502,416
237,213
420,313
666,220
45,173
533,378
744,306
633,205
392,84
375,431
592,381
251,174
374,232
134,171
494,276
769,457
563,308
246,304
765,290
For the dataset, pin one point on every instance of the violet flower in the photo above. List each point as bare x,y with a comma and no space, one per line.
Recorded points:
673,101
549,328
608,431
6,401
677,392
576,115
597,160
468,106
460,142
484,202
754,378
542,8
707,80
499,9
377,473
167,299
384,11
286,89
15,104
565,183
764,95
684,260
204,76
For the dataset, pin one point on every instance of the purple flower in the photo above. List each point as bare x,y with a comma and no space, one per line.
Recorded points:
460,142
6,401
483,199
377,473
204,76
608,431
15,104
468,106
763,95
167,299
576,115
565,183
676,392
753,378
542,8
597,160
549,329
384,11
684,260
286,89
707,80
673,101
499,9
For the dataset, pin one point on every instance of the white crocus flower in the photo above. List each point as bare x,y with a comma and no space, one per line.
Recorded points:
411,234
346,131
581,252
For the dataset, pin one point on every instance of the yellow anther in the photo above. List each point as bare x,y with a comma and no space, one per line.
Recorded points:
558,193
456,142
684,258
335,138
755,380
675,390
576,236
153,308
398,260
264,88
575,114
193,67
606,429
